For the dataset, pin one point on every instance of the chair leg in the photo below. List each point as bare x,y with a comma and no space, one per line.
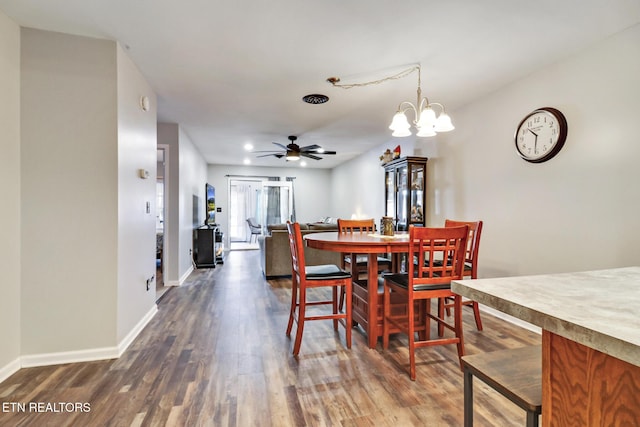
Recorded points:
476,315
457,313
441,309
301,316
386,306
349,319
342,294
334,305
294,303
412,341
427,319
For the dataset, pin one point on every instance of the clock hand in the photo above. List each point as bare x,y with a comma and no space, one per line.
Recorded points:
535,141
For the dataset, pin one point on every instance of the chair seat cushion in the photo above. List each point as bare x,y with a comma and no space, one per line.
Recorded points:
402,280
326,271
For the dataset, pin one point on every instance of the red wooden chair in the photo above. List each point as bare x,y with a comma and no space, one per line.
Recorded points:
470,266
352,226
305,277
426,279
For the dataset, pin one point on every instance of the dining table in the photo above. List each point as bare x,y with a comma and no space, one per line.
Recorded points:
372,245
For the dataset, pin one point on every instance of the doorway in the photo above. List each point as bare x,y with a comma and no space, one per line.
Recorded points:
161,229
244,204
263,201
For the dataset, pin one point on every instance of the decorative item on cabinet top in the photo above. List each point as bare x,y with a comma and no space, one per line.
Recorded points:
387,156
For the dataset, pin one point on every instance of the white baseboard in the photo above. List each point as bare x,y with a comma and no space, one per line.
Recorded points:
9,369
124,344
185,276
181,280
89,355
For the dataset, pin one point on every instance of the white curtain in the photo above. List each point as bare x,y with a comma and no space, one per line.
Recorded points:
243,205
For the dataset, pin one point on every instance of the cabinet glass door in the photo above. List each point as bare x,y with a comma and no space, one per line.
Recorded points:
417,193
401,199
390,194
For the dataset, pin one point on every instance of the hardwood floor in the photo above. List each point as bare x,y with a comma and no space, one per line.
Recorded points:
216,355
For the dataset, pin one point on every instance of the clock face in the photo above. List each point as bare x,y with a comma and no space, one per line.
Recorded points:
541,135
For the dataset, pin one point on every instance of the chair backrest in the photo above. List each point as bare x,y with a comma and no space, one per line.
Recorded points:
297,249
356,225
429,246
253,224
473,242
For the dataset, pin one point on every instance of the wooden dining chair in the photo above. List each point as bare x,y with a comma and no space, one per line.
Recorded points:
305,277
427,279
470,267
363,226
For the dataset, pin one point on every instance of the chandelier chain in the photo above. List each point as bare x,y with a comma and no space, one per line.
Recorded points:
335,81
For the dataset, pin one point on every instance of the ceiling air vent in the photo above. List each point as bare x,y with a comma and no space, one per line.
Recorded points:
315,98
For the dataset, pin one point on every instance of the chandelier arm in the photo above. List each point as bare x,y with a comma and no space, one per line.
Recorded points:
408,106
438,104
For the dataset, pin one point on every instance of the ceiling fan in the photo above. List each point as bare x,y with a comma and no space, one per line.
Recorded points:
293,152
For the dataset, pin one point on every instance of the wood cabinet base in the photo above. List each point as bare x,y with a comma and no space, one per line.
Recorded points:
585,387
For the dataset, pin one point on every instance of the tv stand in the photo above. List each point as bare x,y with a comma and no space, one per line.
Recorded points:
208,246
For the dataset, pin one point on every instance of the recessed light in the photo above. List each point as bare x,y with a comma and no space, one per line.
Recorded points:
247,161
303,163
248,147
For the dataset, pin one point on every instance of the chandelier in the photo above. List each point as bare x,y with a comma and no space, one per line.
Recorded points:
426,120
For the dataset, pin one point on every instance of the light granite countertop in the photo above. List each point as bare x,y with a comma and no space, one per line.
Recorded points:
599,309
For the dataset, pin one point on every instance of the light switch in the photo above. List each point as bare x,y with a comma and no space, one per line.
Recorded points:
148,207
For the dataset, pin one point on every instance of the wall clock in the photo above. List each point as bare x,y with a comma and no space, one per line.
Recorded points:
541,135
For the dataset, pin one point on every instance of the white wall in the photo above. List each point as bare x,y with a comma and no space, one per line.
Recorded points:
10,190
86,231
193,175
168,134
357,186
137,141
577,211
187,175
69,193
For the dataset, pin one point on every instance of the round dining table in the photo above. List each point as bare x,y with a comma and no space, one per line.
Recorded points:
361,243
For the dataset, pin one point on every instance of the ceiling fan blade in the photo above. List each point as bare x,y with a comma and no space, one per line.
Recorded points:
328,152
280,145
266,151
267,155
311,156
308,148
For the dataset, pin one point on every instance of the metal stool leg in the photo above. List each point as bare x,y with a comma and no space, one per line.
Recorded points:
468,398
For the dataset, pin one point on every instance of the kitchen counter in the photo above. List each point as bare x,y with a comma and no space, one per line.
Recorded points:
590,339
599,309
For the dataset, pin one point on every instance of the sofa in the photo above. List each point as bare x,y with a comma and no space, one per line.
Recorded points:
275,254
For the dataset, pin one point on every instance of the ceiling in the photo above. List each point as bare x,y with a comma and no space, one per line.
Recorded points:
234,72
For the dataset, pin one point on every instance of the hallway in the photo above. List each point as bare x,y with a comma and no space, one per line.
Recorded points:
216,354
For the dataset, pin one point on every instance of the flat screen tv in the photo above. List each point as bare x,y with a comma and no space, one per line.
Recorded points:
210,218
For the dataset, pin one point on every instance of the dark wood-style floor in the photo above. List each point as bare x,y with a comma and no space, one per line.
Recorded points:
216,355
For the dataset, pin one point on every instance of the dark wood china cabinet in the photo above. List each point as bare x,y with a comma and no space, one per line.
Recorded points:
405,191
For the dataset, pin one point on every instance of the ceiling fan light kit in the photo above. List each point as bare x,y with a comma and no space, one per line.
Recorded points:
293,152
426,121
